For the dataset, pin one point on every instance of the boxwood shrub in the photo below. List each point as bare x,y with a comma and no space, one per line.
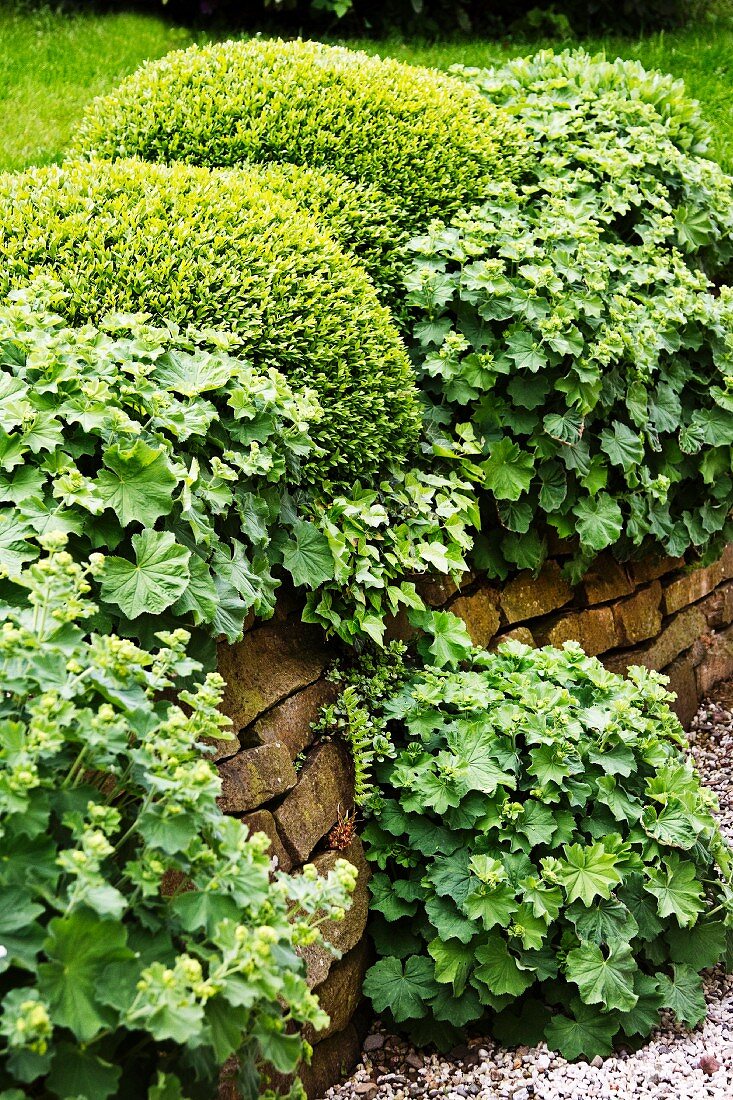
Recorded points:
206,249
359,217
546,859
425,139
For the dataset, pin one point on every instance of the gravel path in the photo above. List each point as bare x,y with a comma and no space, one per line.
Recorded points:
676,1064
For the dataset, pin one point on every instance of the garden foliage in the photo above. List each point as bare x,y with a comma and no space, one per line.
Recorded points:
203,249
635,137
360,217
544,854
145,937
177,461
185,465
425,139
578,324
197,376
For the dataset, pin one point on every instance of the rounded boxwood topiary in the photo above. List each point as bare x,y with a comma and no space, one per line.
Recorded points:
547,857
359,217
216,249
426,139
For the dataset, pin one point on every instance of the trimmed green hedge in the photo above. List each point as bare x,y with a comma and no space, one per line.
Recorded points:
216,249
425,139
359,217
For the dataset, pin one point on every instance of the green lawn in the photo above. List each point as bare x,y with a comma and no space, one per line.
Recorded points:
51,65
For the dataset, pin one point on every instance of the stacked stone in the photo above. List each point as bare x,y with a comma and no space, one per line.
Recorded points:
280,781
656,612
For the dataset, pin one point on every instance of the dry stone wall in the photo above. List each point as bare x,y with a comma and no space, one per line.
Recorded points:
276,778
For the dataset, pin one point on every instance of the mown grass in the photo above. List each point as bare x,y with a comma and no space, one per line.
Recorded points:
51,65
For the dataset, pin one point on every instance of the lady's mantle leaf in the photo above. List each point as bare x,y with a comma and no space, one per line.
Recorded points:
525,351
80,947
403,990
453,963
157,578
701,946
599,521
78,1072
677,890
645,1014
449,922
490,904
587,1032
604,922
308,555
137,484
588,872
451,876
499,971
608,981
386,901
671,825
508,470
451,640
624,447
684,994
192,374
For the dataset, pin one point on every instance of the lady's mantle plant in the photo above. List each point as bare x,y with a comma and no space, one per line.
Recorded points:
544,854
597,374
144,937
186,465
578,323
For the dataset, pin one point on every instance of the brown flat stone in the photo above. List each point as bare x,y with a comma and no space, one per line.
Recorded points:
605,580
436,589
691,587
222,747
291,720
726,563
527,596
346,934
653,566
680,634
717,664
718,606
325,787
594,629
683,682
262,821
332,1062
340,994
269,664
480,613
254,776
639,617
518,634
